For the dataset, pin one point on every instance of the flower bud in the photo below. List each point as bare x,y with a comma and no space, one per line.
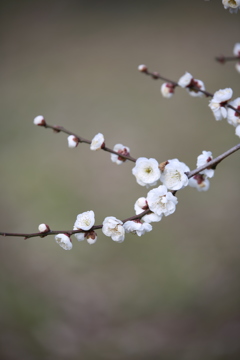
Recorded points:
142,68
39,120
43,228
72,141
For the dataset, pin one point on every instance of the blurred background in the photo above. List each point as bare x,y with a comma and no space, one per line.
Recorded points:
171,294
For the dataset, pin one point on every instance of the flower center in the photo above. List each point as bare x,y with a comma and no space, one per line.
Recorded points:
148,170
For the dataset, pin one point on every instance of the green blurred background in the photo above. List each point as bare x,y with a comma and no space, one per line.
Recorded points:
171,294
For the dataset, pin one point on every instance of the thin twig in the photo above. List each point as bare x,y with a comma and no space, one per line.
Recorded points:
58,129
157,76
222,59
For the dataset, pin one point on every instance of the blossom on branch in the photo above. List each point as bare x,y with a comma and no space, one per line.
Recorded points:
39,120
200,182
141,205
64,241
43,228
122,150
233,117
90,236
146,171
97,142
219,101
161,201
167,90
187,81
203,159
137,227
142,68
84,221
173,175
72,141
114,228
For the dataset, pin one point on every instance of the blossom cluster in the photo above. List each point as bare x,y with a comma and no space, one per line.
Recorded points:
173,174
160,201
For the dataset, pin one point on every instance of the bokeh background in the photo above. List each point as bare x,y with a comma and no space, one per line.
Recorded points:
171,294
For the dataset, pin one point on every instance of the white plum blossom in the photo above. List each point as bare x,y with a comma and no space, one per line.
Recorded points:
114,228
90,236
236,49
146,171
97,142
237,130
167,90
200,182
84,221
187,81
39,120
233,117
137,227
173,175
72,141
64,241
43,228
237,66
161,201
142,205
203,159
218,102
122,150
232,5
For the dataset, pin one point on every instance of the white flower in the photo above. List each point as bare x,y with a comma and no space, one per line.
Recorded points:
142,68
200,182
233,5
218,102
236,49
84,221
142,205
137,227
43,228
173,176
203,159
237,130
185,80
199,84
237,66
233,117
146,171
122,150
39,120
167,90
90,236
161,201
64,241
114,228
97,142
72,141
